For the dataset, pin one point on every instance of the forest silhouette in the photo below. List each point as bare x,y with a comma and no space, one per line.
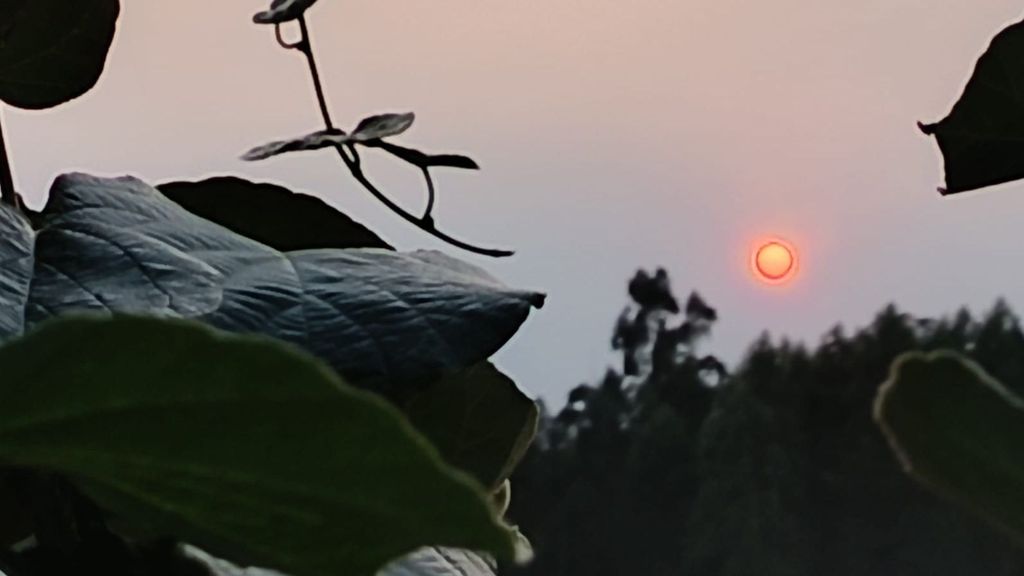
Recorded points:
672,465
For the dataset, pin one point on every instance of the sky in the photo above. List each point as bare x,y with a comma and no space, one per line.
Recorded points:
612,135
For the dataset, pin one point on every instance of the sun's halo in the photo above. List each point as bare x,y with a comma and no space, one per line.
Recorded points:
774,261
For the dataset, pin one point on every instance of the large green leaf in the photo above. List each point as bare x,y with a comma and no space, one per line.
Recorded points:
959,432
241,445
16,245
479,419
52,51
272,215
982,139
377,316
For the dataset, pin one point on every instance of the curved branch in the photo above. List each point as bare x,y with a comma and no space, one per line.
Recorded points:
284,43
354,164
422,223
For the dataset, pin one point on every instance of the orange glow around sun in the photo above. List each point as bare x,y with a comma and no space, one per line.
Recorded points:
774,261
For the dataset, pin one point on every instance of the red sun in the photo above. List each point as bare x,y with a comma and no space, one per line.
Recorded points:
774,261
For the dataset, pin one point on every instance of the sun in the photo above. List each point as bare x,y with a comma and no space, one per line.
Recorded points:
774,261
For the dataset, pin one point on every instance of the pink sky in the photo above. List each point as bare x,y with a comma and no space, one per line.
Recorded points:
612,135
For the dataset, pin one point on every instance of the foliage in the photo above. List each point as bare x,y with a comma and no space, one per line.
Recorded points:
230,477
981,138
479,420
371,132
50,54
775,468
201,400
957,430
377,316
609,485
441,562
952,425
254,211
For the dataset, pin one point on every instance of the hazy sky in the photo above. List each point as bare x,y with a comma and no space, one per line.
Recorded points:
612,135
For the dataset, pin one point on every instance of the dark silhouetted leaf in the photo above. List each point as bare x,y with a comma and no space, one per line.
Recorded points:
698,310
959,432
241,445
653,293
580,393
382,126
282,11
424,160
982,139
16,521
271,215
479,420
377,316
314,141
52,51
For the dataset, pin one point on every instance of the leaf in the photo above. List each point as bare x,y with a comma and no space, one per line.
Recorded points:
441,562
424,160
313,141
240,445
213,566
369,131
271,215
479,420
16,246
53,51
959,432
423,562
502,497
16,522
282,11
982,139
376,316
382,126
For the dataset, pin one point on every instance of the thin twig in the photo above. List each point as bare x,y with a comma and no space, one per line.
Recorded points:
306,46
284,43
354,163
7,193
428,213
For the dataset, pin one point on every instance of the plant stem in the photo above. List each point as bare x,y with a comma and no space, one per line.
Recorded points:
423,224
426,223
7,193
431,195
307,48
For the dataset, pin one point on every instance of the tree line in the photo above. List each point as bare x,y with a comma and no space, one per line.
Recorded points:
672,464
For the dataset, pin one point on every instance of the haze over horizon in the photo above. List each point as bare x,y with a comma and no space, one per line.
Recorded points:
612,136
